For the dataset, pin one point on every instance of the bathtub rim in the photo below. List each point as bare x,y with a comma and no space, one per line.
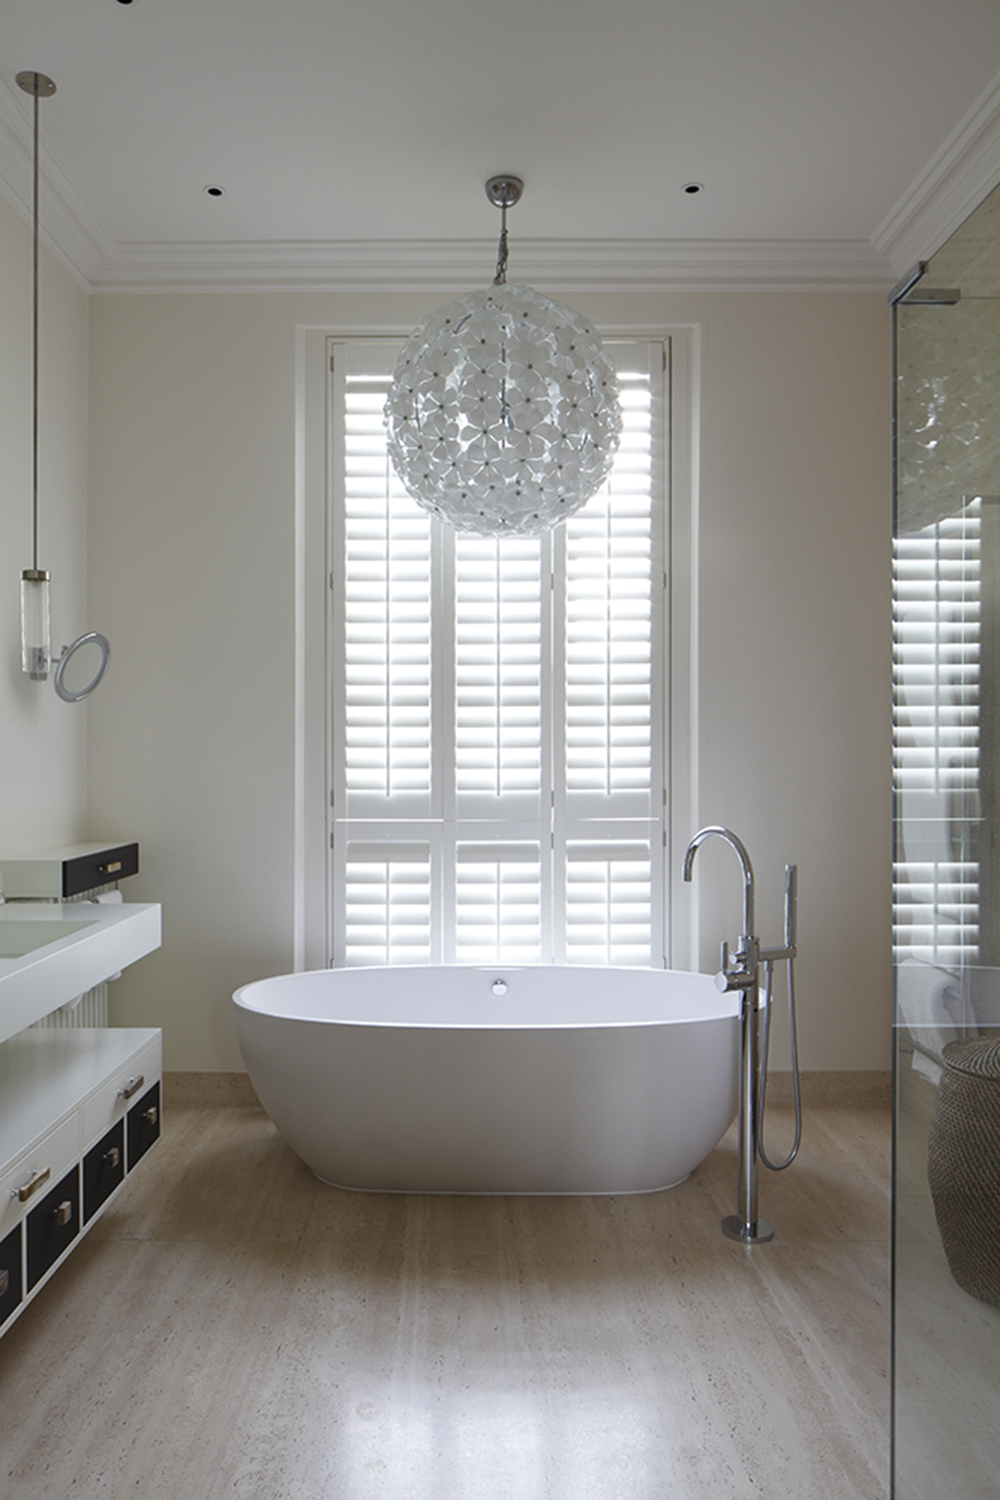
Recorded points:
726,1005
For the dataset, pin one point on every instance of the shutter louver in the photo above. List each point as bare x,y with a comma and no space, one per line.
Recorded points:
608,621
498,903
387,900
387,622
499,594
936,738
609,889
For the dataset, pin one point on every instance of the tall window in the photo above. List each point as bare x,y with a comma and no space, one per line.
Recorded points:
497,776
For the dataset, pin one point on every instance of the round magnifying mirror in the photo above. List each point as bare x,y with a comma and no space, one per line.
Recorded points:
82,666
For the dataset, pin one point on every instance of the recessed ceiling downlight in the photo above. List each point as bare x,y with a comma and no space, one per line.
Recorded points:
214,191
691,188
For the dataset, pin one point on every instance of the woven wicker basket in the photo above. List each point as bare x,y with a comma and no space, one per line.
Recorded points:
963,1165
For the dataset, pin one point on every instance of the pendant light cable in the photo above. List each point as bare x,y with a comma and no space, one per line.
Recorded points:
36,84
35,633
502,250
34,353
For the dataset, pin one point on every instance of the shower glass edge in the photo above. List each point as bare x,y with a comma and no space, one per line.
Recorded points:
945,1371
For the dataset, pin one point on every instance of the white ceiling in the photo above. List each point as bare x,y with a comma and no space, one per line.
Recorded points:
836,139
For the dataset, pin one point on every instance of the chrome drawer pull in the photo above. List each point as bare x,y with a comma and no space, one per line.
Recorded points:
63,1213
32,1185
4,1283
112,1158
149,1115
132,1087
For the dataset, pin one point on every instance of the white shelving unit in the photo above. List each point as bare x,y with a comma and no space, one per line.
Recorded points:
79,1108
78,1111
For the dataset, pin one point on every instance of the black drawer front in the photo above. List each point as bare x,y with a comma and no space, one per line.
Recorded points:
143,1125
53,1225
10,1273
103,1169
91,870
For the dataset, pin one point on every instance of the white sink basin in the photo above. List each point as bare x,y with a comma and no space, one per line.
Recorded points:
18,937
51,952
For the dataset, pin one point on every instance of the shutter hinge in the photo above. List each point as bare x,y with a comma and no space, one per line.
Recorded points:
331,841
663,353
333,799
331,363
333,584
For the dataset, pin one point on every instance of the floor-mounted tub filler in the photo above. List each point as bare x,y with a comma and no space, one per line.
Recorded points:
460,1079
742,975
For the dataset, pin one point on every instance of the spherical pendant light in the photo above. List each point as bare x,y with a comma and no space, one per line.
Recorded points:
503,417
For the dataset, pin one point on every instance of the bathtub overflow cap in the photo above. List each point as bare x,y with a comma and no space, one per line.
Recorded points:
499,987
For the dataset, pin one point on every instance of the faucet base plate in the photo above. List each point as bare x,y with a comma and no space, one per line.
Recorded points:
757,1233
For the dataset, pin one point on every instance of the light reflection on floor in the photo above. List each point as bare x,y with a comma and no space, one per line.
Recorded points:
287,1341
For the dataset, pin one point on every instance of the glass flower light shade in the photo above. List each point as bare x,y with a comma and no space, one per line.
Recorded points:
503,417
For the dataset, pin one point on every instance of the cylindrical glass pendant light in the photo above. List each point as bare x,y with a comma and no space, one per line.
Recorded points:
36,651
36,655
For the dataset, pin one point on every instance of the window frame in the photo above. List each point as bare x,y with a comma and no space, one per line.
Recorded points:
314,897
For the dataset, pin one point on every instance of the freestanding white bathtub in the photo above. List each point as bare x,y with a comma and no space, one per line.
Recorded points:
459,1079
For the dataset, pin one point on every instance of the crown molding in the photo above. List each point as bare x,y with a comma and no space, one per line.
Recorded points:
68,225
74,232
955,181
403,265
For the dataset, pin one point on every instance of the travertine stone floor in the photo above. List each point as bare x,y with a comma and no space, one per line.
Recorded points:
233,1328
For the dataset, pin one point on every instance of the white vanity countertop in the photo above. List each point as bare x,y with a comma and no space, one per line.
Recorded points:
81,945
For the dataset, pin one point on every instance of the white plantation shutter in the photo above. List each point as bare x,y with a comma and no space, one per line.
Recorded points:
611,907
609,572
382,637
387,903
501,616
936,607
497,707
498,902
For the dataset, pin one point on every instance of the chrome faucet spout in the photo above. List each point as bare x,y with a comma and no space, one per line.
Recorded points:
716,831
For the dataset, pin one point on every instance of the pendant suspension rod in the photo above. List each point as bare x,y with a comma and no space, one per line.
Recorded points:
34,353
37,84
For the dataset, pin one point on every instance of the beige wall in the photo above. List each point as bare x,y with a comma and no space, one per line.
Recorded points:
192,746
42,741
